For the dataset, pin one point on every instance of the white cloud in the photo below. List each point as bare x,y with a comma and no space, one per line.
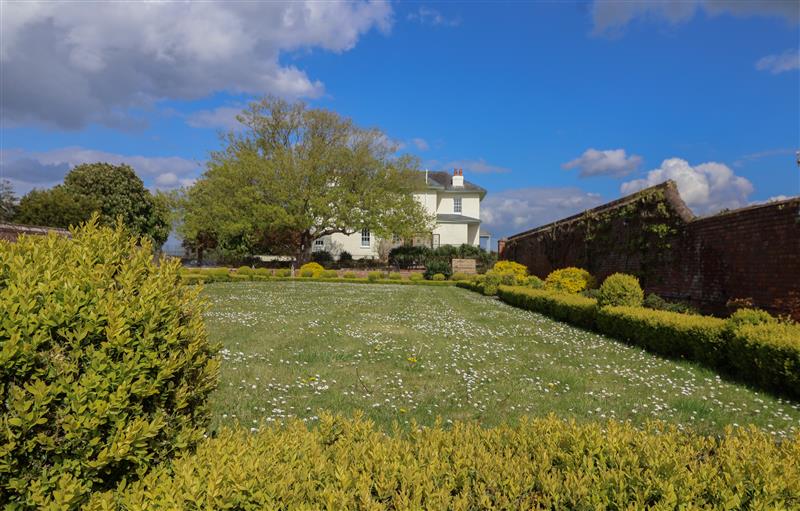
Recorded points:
706,188
609,162
478,166
70,64
786,61
610,17
428,16
223,117
512,211
27,170
421,144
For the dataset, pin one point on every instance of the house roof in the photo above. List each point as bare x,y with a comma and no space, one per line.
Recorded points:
11,232
456,219
485,234
442,181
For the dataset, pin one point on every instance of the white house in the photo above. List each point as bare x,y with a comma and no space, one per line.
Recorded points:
456,204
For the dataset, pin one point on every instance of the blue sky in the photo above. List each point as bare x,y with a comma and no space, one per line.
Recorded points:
554,107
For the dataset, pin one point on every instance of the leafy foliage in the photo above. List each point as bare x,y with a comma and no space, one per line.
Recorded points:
8,201
322,257
345,257
653,301
438,277
112,190
104,362
437,266
573,308
620,289
537,464
296,174
510,267
569,280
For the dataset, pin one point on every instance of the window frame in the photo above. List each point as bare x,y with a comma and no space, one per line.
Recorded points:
458,206
366,235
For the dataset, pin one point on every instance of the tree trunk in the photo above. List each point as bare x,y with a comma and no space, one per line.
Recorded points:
303,253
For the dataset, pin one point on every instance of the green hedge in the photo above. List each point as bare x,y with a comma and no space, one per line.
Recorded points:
105,366
538,464
572,308
699,338
196,278
766,355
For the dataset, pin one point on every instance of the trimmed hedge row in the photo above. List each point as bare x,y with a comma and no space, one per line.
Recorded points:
544,463
195,278
766,355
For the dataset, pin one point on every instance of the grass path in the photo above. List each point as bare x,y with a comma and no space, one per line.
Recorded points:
403,353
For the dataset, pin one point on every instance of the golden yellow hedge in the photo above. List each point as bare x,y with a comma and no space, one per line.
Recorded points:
538,464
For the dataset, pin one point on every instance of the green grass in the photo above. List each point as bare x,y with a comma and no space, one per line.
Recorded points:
413,353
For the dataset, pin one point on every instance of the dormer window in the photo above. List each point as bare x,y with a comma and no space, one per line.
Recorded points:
457,205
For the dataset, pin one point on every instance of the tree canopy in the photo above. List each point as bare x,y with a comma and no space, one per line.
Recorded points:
112,190
8,201
295,174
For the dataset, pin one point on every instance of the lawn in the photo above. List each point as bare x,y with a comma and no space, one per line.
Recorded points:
414,353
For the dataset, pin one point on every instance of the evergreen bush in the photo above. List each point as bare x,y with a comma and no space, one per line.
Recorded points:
105,365
620,289
569,280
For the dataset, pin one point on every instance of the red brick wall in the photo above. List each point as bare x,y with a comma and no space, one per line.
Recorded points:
751,253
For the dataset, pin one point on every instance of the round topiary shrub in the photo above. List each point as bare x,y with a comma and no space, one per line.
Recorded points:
439,277
620,289
245,270
394,276
416,277
349,275
374,276
459,276
311,270
329,274
520,271
569,280
106,367
283,272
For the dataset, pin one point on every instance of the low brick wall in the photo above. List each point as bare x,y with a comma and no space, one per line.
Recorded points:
10,232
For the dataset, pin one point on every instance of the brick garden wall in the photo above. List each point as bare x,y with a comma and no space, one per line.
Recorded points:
750,253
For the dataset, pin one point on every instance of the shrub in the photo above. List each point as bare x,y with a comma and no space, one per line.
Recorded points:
374,276
543,463
459,276
311,270
620,289
245,270
749,317
345,257
263,272
349,275
306,274
653,301
673,334
416,277
329,274
491,282
573,308
438,277
534,282
437,266
394,276
407,256
106,368
767,354
322,257
510,267
283,272
569,280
